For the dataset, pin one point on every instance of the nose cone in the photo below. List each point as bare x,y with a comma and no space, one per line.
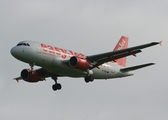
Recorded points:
22,53
13,51
16,52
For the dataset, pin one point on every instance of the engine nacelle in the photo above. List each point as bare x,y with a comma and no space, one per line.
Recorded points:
79,63
30,76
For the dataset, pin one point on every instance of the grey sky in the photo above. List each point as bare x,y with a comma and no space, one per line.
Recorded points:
89,27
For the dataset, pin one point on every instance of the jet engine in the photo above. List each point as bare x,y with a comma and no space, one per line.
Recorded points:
79,63
30,76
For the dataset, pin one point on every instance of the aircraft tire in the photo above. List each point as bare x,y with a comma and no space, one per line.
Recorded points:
89,78
54,87
86,79
59,86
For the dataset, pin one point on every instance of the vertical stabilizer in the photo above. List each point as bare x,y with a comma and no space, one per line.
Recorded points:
122,44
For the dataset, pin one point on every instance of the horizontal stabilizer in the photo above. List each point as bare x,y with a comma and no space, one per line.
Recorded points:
135,67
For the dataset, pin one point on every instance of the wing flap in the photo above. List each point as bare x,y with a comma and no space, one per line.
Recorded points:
136,67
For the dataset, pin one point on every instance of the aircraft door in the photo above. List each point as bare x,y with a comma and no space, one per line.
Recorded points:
38,49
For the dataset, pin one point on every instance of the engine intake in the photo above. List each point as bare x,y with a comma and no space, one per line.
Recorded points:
79,63
25,74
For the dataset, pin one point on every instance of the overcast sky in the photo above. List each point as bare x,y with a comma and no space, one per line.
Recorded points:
90,27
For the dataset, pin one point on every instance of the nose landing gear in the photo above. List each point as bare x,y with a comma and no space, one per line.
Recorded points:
31,66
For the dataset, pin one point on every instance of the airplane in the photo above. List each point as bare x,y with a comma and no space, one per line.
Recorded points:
56,62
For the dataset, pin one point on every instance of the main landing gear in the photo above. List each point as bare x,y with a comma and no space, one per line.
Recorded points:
89,78
56,86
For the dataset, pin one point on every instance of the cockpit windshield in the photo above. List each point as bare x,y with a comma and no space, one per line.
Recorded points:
23,44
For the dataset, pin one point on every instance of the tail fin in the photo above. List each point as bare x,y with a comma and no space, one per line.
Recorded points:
122,44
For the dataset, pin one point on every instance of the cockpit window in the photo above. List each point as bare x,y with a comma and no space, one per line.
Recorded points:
23,44
19,44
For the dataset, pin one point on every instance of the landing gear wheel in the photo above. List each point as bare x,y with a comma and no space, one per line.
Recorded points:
59,86
89,78
86,79
54,87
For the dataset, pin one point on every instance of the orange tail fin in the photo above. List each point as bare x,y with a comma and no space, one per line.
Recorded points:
122,44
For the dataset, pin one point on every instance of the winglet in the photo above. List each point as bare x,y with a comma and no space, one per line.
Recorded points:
160,43
17,79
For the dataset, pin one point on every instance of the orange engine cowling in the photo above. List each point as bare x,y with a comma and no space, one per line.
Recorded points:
79,63
30,76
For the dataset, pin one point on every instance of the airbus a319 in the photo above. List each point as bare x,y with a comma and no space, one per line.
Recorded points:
56,62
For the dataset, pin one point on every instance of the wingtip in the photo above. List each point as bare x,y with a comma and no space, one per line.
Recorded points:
148,64
153,63
160,42
17,80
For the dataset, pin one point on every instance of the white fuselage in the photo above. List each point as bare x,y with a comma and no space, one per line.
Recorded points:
53,60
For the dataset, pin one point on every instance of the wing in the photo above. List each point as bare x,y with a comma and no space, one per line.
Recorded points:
99,59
